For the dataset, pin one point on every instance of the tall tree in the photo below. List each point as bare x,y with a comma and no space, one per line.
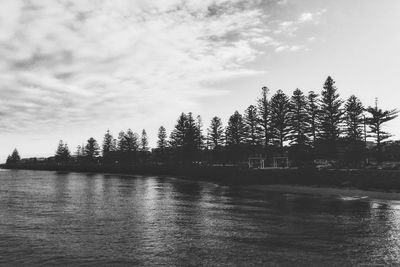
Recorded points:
313,115
235,131
144,141
299,118
67,152
132,141
185,139
14,157
354,122
62,153
331,116
192,137
60,150
280,117
92,149
354,118
122,145
162,142
215,133
108,143
252,126
264,115
376,122
177,137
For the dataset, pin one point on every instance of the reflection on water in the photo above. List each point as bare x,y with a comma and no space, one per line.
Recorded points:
90,219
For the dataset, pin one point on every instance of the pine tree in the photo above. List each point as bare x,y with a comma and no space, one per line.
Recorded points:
132,141
143,141
192,134
313,115
66,153
62,153
59,151
354,122
330,116
92,149
177,137
264,112
186,137
14,157
299,118
252,127
376,122
162,142
122,145
235,131
215,133
354,119
280,117
108,143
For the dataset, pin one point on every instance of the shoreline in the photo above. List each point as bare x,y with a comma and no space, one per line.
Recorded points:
345,193
386,183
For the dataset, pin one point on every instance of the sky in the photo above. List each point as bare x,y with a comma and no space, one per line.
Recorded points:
71,70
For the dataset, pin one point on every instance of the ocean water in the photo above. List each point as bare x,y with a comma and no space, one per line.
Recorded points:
58,219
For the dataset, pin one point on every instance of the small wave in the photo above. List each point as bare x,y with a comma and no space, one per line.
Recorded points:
348,198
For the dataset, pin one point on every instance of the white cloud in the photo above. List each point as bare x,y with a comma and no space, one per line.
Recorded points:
291,48
306,17
289,27
147,51
88,62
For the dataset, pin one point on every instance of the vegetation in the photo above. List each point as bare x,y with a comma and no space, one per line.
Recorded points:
280,117
376,120
13,158
62,154
215,133
302,127
331,117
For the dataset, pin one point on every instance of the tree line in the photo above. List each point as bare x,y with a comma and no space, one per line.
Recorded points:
126,148
302,126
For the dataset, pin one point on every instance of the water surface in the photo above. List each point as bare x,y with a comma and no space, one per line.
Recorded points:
50,218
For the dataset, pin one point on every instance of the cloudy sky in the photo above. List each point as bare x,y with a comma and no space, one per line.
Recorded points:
73,69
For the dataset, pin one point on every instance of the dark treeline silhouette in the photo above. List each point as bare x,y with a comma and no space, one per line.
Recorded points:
127,148
301,127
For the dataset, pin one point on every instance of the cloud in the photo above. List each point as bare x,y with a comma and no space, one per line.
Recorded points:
290,48
306,17
282,2
88,62
290,27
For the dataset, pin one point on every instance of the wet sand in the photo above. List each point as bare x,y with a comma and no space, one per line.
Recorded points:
348,193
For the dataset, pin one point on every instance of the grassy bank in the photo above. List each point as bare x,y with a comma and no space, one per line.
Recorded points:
381,180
